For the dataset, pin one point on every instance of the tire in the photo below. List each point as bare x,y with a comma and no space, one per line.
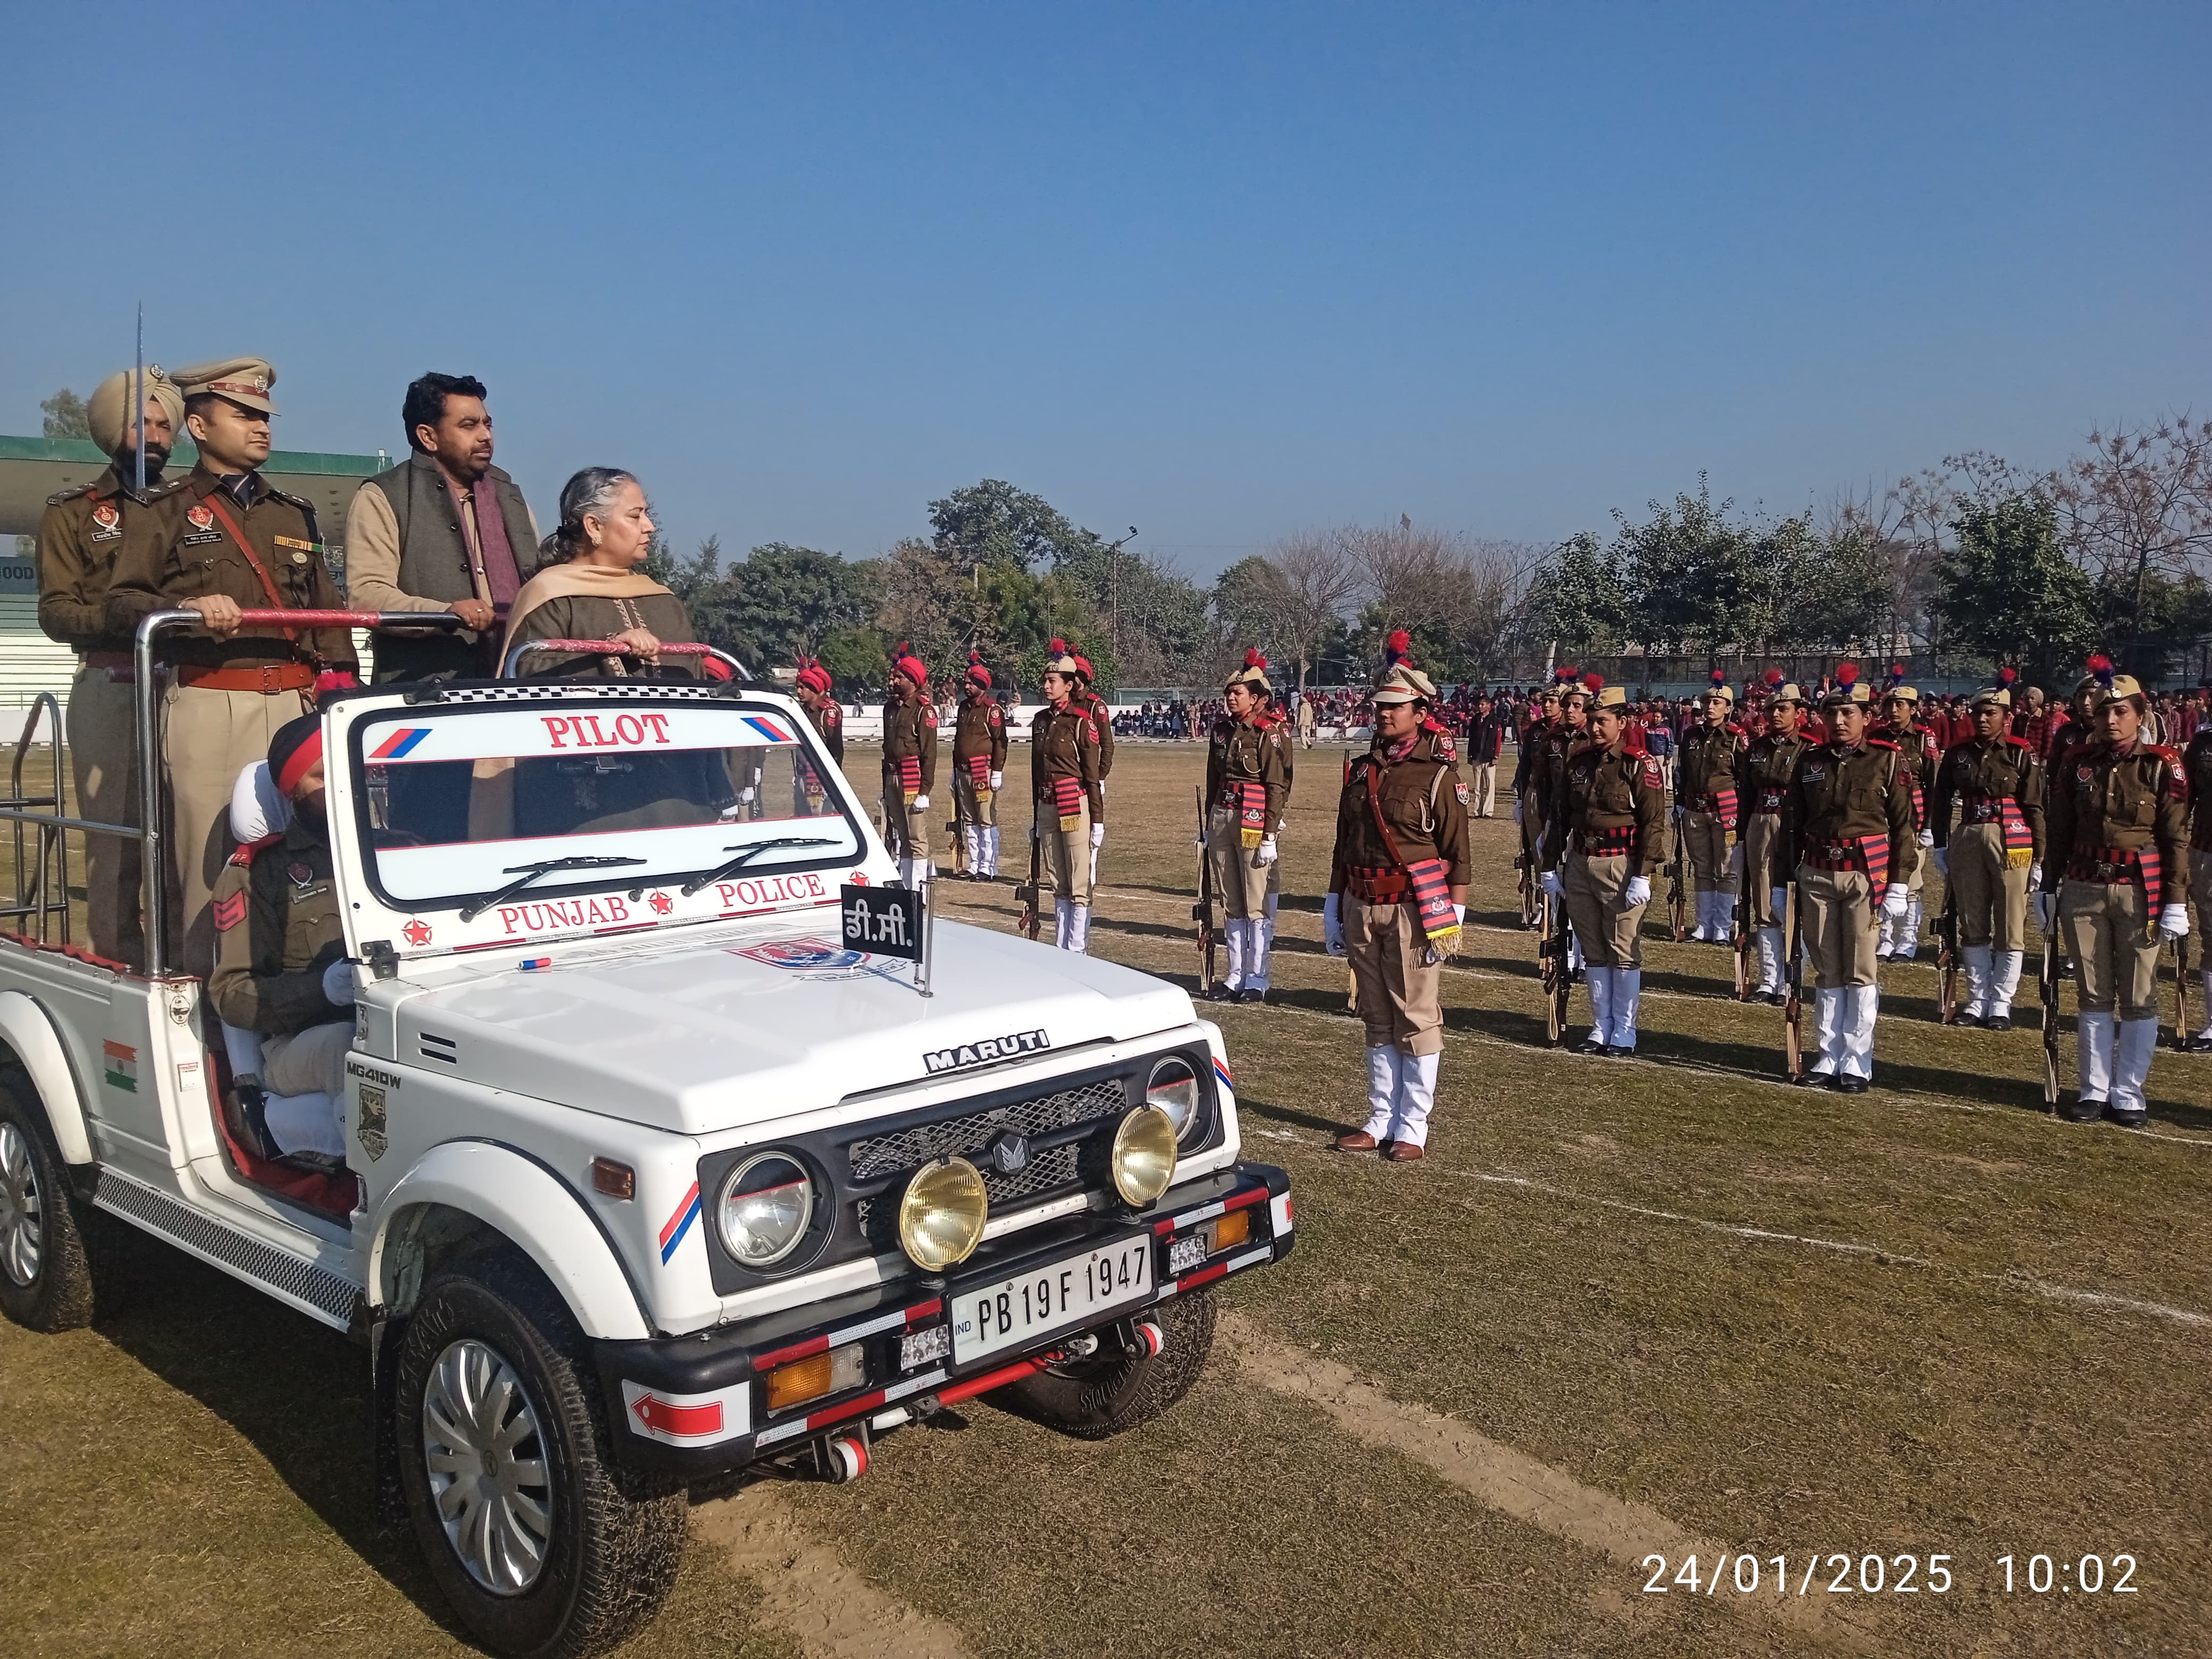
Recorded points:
1097,1398
585,1556
45,1268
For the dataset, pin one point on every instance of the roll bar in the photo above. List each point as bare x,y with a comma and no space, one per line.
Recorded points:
617,648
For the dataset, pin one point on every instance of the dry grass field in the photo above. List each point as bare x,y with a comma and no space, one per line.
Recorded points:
1665,1305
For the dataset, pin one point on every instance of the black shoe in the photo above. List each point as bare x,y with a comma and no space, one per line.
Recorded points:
2128,1117
1851,1085
1620,1051
2197,1045
1883,956
1997,1023
1592,1044
1816,1080
1251,994
1221,993
2079,1110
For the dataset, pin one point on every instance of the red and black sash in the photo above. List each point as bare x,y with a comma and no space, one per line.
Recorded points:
1427,878
909,771
2111,865
1067,799
1605,843
1722,803
2004,812
1251,811
1868,852
979,773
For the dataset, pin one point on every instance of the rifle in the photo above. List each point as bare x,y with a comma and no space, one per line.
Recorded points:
2047,982
1740,928
1945,929
1525,865
1552,965
2181,994
1027,897
1793,1041
1202,912
1678,902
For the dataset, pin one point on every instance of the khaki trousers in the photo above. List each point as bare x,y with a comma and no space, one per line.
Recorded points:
1067,852
1243,887
1991,892
1398,987
971,804
103,741
1706,843
1606,924
1839,925
2115,949
1761,838
208,738
1485,789
906,832
307,1062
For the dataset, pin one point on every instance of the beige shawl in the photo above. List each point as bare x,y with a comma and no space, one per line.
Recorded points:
561,581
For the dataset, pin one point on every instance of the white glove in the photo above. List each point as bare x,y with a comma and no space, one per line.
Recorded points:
745,794
1895,901
337,982
1639,891
1459,914
1552,884
1033,830
2034,879
1266,853
1943,864
1098,835
998,781
1199,840
920,803
1516,811
1927,837
2173,922
1332,924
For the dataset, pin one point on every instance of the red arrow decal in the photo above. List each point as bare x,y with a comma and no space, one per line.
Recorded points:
669,1418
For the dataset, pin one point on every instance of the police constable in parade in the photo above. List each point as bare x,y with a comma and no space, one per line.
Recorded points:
1528,772
1900,707
814,690
80,537
979,766
1993,858
2196,764
909,765
1608,838
223,544
1706,805
443,531
1397,899
1247,785
1064,797
1763,772
1088,700
1848,824
2117,810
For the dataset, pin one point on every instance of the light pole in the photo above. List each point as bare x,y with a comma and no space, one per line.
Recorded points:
1114,586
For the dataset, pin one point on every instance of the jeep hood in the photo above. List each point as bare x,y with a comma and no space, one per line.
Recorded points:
765,1024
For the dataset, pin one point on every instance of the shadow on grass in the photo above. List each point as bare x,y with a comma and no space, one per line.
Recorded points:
297,1390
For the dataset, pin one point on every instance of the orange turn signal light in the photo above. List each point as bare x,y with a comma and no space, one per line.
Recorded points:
613,1179
797,1381
1232,1230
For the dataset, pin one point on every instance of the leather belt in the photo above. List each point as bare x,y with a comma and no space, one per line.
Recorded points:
268,679
117,665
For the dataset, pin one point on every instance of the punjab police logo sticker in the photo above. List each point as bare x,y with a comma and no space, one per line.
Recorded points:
200,517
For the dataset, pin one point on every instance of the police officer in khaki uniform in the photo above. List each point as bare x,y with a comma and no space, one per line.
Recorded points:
2196,764
813,688
909,766
1767,764
2118,808
225,543
1397,899
979,769
1994,858
1900,941
280,966
1527,813
1248,785
1088,700
80,539
1847,825
1610,831
1705,803
1064,799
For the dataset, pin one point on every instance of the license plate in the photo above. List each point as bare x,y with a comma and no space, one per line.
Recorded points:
1015,1312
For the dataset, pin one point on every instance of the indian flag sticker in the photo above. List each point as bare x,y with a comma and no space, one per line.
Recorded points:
122,1068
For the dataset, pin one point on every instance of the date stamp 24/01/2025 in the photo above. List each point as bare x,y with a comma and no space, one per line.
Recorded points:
1873,1573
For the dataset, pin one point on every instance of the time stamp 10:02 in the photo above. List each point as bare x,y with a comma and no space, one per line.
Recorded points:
1872,1574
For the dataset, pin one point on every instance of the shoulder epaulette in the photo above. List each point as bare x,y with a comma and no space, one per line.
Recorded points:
1882,743
61,495
2018,742
2163,752
250,850
289,500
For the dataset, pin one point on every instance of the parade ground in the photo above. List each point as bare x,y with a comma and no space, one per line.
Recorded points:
1656,1356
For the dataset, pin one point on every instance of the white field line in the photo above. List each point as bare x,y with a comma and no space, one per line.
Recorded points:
1494,1474
832,1611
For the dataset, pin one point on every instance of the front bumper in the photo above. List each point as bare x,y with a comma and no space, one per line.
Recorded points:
696,1405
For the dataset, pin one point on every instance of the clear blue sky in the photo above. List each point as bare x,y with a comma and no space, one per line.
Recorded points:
1217,272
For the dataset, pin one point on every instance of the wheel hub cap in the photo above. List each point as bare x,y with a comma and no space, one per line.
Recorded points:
22,1209
486,1461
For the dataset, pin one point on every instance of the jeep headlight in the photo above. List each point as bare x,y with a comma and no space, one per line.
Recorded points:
942,1214
1144,1155
764,1207
1174,1090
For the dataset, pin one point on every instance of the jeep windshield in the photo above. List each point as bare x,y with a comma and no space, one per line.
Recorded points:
623,796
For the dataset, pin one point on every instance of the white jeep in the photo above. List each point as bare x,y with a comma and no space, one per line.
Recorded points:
646,1177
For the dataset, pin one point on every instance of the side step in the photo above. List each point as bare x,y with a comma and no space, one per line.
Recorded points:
315,1291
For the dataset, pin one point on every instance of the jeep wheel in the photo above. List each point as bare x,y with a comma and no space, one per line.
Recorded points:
541,1545
1094,1399
45,1277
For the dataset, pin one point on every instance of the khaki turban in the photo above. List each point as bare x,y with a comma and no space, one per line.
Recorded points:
108,410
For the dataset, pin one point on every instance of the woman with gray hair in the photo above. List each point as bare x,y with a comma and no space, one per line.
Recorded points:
590,587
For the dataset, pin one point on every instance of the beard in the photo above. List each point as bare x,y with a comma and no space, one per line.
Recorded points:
126,461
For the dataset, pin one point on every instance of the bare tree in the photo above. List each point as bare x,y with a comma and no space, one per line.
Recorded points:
1320,579
2139,503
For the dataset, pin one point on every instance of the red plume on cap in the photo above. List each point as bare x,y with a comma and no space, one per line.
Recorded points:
1254,660
1773,678
1720,676
1847,673
1060,647
905,662
2101,666
1397,648
2007,676
1566,673
976,672
1594,682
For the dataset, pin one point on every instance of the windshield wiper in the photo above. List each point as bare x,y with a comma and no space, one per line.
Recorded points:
529,872
745,857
